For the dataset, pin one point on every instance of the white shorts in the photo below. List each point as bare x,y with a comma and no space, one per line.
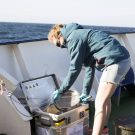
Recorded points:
115,73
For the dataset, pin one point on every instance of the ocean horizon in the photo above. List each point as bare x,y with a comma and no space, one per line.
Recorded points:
11,32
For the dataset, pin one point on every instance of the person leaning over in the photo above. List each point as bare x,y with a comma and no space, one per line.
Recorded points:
92,49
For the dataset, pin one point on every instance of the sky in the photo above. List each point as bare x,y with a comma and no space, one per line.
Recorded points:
87,12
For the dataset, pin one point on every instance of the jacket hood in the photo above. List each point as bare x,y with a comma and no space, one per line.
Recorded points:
69,28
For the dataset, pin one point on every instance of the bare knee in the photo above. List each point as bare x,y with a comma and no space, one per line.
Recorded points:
100,105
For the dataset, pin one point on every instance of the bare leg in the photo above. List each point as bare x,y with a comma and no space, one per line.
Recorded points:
104,94
108,111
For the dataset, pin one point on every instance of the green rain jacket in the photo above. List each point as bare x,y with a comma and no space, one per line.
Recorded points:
91,49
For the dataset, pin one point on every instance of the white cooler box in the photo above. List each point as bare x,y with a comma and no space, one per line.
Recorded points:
38,93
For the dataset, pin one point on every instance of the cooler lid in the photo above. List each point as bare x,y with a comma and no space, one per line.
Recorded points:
38,91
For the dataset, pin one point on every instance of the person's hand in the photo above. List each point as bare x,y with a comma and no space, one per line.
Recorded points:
2,87
55,95
84,98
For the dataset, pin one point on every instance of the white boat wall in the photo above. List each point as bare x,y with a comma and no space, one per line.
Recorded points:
29,59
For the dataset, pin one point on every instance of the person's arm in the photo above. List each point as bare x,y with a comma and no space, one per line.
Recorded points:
76,50
88,79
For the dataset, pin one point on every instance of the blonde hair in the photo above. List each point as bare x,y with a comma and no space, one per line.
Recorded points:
55,31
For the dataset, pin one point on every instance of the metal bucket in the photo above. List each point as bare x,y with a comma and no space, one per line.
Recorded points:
125,126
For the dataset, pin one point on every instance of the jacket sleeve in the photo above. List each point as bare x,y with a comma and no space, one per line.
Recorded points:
88,79
76,50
